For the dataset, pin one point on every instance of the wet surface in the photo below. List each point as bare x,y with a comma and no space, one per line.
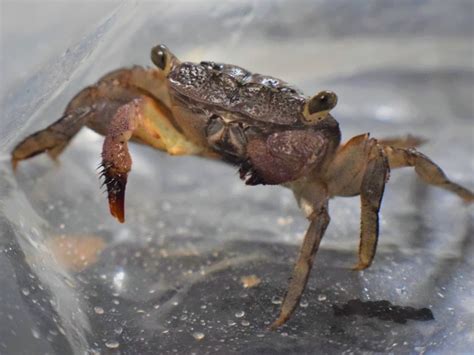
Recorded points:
169,297
203,261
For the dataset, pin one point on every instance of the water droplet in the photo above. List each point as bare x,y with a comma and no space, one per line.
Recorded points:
118,330
36,333
322,297
260,335
245,323
284,334
304,303
25,291
115,301
203,306
198,335
230,323
401,291
156,306
99,310
112,344
183,317
276,300
239,314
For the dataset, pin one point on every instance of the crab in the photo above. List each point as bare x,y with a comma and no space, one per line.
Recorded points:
270,130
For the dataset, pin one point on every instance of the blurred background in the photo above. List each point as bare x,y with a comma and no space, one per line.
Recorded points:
203,260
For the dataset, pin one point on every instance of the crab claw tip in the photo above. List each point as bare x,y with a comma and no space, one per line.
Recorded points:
117,209
116,195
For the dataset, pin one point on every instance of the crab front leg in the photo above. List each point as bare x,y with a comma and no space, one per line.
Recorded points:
146,121
116,160
313,200
93,106
125,104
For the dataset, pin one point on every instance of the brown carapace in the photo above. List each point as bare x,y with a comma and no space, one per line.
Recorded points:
270,130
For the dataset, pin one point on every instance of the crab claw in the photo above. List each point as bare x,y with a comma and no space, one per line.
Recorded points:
116,164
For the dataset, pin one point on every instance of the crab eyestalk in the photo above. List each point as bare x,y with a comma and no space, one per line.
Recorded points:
162,57
317,108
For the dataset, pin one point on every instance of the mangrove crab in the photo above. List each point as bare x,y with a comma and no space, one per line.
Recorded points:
270,130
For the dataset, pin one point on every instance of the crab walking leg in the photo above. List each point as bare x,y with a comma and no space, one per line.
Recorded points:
408,141
426,169
371,193
319,221
52,140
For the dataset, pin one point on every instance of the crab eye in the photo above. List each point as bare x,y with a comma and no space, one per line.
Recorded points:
318,107
159,56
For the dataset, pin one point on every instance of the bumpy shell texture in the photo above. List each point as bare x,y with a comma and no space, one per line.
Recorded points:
235,89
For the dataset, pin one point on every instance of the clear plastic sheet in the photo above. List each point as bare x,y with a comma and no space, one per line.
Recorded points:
202,262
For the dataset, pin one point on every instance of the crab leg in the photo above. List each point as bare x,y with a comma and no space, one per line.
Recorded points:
127,104
147,121
371,193
408,141
93,106
116,160
319,220
426,169
52,140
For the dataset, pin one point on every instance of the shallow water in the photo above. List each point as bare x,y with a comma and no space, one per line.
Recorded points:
172,279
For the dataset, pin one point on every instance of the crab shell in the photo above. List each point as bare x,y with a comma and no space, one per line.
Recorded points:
252,120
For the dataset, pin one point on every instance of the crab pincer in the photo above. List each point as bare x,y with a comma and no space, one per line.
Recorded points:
116,164
116,159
